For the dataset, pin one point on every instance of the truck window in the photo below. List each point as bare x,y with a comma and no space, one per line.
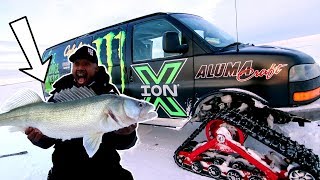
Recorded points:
147,39
207,31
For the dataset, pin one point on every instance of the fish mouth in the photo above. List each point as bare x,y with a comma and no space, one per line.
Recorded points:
149,114
81,77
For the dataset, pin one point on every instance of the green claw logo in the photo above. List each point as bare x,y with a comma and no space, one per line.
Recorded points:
159,88
109,40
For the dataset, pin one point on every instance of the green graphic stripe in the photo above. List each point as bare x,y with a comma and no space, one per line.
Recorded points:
176,67
109,37
178,112
141,75
53,73
98,43
148,99
122,40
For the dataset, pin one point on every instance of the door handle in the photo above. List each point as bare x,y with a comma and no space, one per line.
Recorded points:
130,76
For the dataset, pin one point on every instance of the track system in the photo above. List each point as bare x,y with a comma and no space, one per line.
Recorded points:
228,119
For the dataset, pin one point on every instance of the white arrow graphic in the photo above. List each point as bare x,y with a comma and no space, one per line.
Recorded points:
22,31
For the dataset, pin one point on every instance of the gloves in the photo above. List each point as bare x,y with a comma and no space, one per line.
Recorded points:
34,134
127,130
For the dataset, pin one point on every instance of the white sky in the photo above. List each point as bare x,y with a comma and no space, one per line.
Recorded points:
258,21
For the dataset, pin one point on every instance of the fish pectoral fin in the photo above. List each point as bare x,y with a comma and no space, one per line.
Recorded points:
91,143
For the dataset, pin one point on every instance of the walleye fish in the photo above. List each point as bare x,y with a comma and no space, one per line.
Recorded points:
78,112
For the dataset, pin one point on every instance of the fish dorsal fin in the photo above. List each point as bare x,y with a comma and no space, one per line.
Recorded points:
73,93
21,98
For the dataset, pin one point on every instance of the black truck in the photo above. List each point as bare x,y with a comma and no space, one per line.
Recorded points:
193,71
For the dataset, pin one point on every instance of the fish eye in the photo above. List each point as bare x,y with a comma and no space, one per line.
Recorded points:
140,104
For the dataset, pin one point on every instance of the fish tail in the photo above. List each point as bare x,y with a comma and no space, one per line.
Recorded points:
17,129
21,98
15,125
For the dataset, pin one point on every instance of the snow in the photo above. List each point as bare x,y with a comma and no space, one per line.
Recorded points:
150,158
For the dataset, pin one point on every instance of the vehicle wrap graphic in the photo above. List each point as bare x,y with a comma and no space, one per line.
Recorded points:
159,88
69,50
109,38
242,72
53,73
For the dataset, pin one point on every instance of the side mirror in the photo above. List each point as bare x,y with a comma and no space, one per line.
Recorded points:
171,43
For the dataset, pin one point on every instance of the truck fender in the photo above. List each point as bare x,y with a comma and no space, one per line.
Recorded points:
244,94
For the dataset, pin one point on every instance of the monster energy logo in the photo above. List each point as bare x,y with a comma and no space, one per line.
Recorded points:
109,39
159,88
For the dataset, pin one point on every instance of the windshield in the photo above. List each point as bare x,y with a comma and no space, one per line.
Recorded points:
205,30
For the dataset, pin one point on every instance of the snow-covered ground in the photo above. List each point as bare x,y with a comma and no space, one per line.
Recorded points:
150,158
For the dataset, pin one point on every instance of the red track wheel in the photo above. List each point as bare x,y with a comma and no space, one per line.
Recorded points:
214,125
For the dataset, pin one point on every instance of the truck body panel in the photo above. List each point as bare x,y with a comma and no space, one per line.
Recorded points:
132,53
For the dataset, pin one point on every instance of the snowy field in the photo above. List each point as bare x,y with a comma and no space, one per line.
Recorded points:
150,158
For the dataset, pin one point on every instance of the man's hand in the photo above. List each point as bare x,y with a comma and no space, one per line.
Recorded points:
126,130
34,134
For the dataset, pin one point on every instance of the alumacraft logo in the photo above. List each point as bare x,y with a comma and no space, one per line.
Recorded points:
158,87
234,69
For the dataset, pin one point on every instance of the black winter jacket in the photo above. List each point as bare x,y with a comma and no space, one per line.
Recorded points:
70,160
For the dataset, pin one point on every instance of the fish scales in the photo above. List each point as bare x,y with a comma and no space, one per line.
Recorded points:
88,117
75,117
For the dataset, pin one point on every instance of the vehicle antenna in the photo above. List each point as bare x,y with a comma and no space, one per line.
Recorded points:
235,6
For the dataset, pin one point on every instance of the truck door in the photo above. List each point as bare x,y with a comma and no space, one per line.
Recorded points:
164,79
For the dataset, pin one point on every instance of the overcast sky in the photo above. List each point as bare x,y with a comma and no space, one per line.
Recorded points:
258,20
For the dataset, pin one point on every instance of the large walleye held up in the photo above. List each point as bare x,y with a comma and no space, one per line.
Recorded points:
79,112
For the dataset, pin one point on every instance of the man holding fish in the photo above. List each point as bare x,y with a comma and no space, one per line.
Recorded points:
75,158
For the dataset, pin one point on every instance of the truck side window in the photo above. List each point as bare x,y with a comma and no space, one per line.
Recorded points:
147,39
